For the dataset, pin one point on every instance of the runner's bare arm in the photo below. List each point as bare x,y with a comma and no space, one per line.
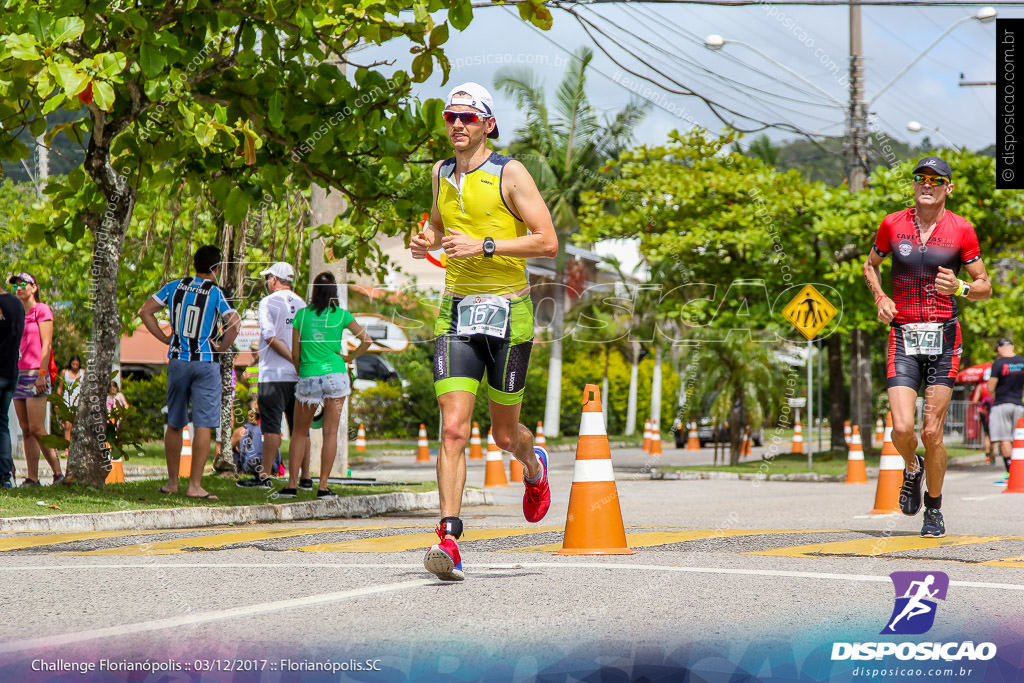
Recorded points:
430,236
232,322
948,284
296,348
992,382
148,315
886,306
525,201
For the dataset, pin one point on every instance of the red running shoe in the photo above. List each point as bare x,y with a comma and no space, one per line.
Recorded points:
443,559
537,498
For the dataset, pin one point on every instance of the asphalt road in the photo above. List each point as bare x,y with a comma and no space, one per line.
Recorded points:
730,576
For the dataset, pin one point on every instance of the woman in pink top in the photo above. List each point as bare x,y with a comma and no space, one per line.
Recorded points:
34,378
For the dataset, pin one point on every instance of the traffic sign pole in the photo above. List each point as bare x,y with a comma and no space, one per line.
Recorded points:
810,408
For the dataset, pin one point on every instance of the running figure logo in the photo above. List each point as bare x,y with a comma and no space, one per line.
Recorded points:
916,595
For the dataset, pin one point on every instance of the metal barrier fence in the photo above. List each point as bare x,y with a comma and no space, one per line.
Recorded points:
963,424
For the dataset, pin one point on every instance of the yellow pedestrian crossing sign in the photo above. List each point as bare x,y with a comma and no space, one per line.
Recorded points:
809,312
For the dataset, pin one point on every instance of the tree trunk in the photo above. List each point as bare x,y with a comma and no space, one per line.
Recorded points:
634,371
737,420
656,386
837,393
604,391
89,454
860,385
223,462
553,402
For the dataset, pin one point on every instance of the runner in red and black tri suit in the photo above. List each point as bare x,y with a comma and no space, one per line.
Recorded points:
928,245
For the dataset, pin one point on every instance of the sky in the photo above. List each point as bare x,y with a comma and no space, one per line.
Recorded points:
811,42
807,93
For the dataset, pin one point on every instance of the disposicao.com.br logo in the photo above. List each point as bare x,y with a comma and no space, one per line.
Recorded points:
917,596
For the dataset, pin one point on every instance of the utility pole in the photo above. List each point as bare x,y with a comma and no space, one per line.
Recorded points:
860,352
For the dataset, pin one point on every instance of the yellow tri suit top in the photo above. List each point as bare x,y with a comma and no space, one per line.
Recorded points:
478,210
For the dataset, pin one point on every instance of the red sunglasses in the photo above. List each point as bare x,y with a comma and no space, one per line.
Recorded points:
465,116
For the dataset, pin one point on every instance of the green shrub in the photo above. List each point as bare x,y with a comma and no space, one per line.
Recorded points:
147,398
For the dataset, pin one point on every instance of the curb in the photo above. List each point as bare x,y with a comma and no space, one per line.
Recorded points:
182,518
687,475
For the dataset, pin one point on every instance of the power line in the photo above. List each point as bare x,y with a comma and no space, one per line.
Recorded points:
783,3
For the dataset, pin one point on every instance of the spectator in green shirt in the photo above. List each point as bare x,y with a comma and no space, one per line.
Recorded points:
323,376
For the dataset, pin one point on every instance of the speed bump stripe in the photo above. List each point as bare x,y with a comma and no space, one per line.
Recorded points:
207,541
44,539
394,544
1016,562
870,547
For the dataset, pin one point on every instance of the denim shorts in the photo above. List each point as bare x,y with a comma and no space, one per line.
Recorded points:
197,383
27,385
313,390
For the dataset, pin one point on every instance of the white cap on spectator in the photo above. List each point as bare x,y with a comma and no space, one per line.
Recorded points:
280,270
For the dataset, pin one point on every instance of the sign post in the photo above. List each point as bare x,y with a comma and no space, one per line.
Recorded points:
809,312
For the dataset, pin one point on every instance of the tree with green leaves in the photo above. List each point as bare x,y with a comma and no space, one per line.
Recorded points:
563,150
245,96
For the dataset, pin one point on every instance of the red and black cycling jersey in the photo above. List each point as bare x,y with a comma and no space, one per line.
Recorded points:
914,266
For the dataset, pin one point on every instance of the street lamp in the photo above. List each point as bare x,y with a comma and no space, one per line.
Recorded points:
917,127
717,42
985,15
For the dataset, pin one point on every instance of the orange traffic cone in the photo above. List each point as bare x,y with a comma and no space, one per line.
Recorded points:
539,440
655,439
847,433
798,438
890,475
185,463
116,473
515,469
475,451
1015,482
647,436
423,448
748,442
693,441
593,525
494,469
361,439
856,473
879,431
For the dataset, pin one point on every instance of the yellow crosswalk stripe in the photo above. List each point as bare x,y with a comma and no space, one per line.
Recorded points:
647,539
38,541
394,544
212,541
874,546
1016,562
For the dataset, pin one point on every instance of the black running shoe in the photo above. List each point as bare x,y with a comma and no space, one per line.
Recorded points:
326,493
933,527
287,493
255,483
910,492
306,484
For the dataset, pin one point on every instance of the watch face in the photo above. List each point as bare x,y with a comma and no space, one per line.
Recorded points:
489,246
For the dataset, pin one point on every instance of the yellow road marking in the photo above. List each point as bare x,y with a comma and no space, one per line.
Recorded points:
1016,562
881,545
211,541
648,539
44,539
394,544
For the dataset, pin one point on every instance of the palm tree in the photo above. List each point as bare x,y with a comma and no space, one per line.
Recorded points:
742,378
564,151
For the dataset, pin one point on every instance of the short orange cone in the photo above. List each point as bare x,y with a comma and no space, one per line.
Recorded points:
798,438
361,439
890,475
539,440
1015,482
593,525
423,448
647,436
879,431
847,433
856,472
655,439
494,469
475,450
185,464
116,474
748,442
693,441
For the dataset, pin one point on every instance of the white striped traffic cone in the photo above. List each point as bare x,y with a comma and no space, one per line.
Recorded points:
856,473
475,450
1015,480
693,441
890,475
539,439
422,447
798,438
361,439
494,469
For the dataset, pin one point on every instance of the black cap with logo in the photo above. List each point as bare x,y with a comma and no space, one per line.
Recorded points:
936,165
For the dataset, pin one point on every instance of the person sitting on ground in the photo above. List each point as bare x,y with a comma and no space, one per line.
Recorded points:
247,445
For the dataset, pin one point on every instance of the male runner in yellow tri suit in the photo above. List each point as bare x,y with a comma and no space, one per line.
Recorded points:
489,217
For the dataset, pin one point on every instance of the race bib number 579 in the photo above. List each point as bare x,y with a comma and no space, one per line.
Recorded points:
922,339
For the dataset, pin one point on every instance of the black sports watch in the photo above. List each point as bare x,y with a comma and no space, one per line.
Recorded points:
489,247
